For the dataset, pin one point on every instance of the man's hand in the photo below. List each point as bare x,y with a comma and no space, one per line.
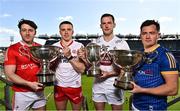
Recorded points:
67,52
106,74
35,85
136,88
81,53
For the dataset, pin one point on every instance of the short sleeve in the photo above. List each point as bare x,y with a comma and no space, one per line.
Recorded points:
168,63
10,58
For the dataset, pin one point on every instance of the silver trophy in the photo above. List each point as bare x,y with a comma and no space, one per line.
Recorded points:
127,60
93,57
44,54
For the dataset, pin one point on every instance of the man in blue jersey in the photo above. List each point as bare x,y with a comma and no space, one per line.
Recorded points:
157,77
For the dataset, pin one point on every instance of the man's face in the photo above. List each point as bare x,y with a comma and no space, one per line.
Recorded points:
149,36
27,33
66,31
107,25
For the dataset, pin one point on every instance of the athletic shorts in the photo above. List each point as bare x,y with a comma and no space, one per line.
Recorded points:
26,100
65,93
115,97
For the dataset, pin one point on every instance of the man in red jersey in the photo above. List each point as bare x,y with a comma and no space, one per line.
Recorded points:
21,69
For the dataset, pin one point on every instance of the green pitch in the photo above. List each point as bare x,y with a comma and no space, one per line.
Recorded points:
87,92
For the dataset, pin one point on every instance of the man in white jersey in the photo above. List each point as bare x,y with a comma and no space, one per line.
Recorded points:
103,89
68,70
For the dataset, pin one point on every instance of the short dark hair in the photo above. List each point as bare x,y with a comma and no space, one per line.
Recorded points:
108,15
29,22
65,22
151,22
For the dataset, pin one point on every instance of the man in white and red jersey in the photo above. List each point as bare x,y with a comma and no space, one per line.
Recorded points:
103,89
68,71
21,69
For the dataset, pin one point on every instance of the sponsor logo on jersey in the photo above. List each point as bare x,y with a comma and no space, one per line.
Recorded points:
146,72
26,66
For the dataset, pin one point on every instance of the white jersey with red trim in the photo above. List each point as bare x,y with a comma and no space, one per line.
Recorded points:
19,54
106,62
65,74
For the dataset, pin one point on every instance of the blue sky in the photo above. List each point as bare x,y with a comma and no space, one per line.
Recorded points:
85,15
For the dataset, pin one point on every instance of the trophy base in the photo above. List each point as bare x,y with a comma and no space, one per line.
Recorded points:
46,79
93,73
123,85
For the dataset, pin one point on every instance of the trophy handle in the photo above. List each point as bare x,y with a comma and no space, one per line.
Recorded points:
53,59
121,74
57,56
35,59
24,51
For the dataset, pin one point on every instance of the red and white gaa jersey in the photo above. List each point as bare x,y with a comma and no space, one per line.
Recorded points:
19,55
65,74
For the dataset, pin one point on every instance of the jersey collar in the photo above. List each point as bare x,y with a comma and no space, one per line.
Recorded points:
67,45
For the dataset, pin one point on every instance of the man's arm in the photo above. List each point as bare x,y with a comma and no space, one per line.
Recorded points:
10,73
170,88
77,65
115,72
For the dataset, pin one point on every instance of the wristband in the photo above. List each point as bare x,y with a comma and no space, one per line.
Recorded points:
70,58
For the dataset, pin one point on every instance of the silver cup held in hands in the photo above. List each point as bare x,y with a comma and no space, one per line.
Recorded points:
93,57
44,54
127,60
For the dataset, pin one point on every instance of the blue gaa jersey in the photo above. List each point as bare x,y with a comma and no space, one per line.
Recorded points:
148,75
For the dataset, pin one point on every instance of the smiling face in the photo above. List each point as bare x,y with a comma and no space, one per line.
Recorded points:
27,33
149,36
